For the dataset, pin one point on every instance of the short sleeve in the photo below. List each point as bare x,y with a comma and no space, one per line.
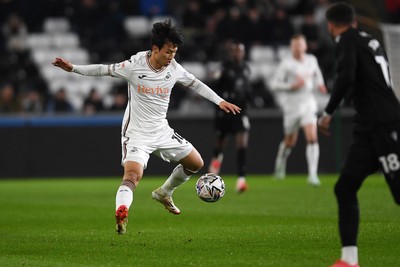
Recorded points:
183,76
122,69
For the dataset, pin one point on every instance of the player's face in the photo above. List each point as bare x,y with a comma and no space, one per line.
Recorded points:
238,52
298,47
164,56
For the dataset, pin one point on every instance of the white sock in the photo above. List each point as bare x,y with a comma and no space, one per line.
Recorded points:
350,255
312,155
283,154
124,197
177,177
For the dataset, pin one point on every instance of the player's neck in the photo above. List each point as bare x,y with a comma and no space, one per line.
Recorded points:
153,62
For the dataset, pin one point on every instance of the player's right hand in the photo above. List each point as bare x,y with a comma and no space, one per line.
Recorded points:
62,63
323,124
229,107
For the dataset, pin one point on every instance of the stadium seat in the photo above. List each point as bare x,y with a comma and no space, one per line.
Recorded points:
56,25
75,55
196,68
137,26
65,40
44,56
283,51
39,41
262,53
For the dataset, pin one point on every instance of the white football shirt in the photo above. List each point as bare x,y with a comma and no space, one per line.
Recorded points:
303,98
148,93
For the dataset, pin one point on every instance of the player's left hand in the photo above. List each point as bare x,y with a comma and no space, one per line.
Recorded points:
322,88
229,107
323,124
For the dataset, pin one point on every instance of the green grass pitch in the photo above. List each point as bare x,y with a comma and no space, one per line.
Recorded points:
70,222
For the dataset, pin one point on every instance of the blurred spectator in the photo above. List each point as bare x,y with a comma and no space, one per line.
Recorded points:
232,26
16,33
281,28
32,102
120,101
59,102
310,30
260,32
393,8
8,101
153,7
93,102
194,29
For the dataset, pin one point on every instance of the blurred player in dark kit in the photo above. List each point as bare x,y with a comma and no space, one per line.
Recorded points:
233,85
363,73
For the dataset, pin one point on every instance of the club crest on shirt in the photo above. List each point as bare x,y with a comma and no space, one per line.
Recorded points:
168,76
134,150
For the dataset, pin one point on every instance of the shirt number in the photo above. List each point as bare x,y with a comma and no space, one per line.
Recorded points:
390,163
385,69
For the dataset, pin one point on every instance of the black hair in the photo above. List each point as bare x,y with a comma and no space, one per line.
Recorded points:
164,32
340,14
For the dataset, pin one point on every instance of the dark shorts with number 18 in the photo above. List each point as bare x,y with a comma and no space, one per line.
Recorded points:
371,151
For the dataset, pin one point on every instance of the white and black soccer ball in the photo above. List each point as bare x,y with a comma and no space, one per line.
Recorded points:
210,187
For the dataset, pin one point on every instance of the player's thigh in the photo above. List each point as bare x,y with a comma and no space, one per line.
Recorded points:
291,123
133,171
171,146
192,162
310,132
387,146
135,150
360,162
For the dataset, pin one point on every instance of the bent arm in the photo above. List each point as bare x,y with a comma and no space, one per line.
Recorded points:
205,91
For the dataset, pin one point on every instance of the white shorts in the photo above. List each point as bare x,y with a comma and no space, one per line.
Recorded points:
166,144
294,120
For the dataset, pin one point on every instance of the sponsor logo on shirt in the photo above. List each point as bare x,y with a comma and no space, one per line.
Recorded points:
153,91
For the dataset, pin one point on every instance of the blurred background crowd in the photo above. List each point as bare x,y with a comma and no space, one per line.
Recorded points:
33,32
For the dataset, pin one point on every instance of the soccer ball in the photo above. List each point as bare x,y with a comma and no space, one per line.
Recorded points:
210,187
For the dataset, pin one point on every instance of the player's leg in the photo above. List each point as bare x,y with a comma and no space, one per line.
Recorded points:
182,172
386,140
312,153
133,172
285,148
221,138
176,149
360,162
242,140
290,129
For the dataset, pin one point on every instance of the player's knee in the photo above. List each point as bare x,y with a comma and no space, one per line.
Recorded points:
132,176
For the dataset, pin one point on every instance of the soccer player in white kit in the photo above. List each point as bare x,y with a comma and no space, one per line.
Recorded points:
295,79
151,76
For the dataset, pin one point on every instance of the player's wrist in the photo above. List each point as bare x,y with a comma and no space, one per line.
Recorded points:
326,114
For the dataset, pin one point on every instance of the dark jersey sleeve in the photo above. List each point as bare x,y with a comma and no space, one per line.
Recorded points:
346,72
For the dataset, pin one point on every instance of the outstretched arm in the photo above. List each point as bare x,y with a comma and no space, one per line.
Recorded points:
89,70
63,64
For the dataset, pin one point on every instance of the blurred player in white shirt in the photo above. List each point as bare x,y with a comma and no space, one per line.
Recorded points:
151,76
296,78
